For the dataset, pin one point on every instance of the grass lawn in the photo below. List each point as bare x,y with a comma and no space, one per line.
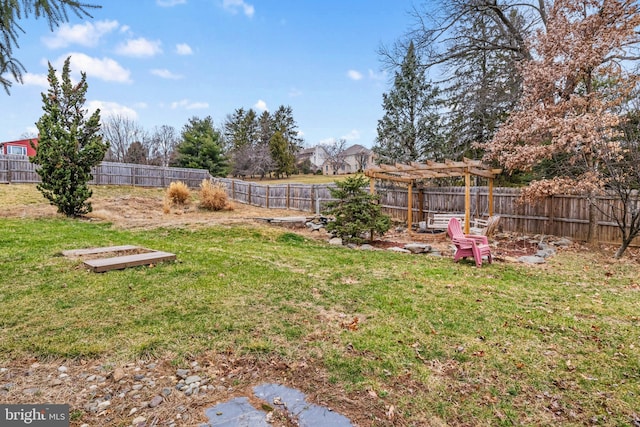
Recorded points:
439,342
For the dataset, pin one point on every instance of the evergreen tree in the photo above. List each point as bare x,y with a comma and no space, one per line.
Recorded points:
136,153
283,159
408,131
55,11
356,211
69,145
201,147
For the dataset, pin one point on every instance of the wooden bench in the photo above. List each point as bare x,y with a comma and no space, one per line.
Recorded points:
441,221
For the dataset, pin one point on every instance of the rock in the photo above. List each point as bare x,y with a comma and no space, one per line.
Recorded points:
118,374
104,405
397,249
422,227
137,387
62,369
352,246
166,391
31,391
155,401
182,373
8,386
138,377
546,253
563,242
192,379
55,382
366,247
137,421
91,378
336,241
531,260
417,248
315,227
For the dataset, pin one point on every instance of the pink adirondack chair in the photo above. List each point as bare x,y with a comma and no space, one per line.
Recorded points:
468,245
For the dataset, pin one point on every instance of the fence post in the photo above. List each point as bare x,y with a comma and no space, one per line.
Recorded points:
233,189
267,196
313,197
249,194
8,170
288,195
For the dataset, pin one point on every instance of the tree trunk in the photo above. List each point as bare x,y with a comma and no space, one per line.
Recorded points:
623,247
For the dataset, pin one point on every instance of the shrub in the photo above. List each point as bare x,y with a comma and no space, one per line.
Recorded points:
213,196
178,193
357,213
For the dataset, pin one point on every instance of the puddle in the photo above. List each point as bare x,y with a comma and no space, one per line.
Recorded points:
236,413
240,413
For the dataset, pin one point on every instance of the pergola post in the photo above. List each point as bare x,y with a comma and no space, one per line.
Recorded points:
372,185
490,197
467,201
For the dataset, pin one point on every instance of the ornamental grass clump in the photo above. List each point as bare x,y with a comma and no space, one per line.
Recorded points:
177,194
213,196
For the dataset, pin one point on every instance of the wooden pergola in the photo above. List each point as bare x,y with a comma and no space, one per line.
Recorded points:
413,172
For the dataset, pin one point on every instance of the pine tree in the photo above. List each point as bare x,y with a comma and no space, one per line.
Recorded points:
69,145
55,11
408,131
201,147
356,211
283,159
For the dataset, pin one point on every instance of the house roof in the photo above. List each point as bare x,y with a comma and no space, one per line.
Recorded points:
356,149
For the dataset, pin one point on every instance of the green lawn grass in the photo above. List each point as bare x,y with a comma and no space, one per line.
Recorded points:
500,345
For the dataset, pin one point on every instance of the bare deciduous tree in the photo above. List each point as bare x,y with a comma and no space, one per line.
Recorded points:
120,132
335,156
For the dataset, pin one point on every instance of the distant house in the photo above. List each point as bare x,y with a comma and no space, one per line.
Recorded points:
354,159
315,155
21,147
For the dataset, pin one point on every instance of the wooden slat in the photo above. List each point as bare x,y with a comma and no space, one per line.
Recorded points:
120,262
95,251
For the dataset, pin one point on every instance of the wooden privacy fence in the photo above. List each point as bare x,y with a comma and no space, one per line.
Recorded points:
565,215
300,197
18,169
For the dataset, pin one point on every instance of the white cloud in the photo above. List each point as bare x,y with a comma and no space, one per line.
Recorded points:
170,3
354,75
261,105
234,6
29,79
352,135
111,109
86,34
165,74
140,48
105,69
183,49
188,105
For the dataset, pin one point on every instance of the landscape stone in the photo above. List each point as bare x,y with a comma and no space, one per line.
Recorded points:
366,247
336,241
417,248
192,379
531,259
118,374
155,401
546,253
397,249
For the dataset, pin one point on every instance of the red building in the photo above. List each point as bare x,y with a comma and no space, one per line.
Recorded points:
21,147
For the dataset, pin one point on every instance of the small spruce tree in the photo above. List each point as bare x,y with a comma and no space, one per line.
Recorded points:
69,145
356,211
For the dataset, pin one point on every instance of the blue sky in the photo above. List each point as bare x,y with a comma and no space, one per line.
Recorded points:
161,62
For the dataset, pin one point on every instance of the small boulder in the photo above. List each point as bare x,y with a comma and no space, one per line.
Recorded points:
417,248
336,241
397,249
531,260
